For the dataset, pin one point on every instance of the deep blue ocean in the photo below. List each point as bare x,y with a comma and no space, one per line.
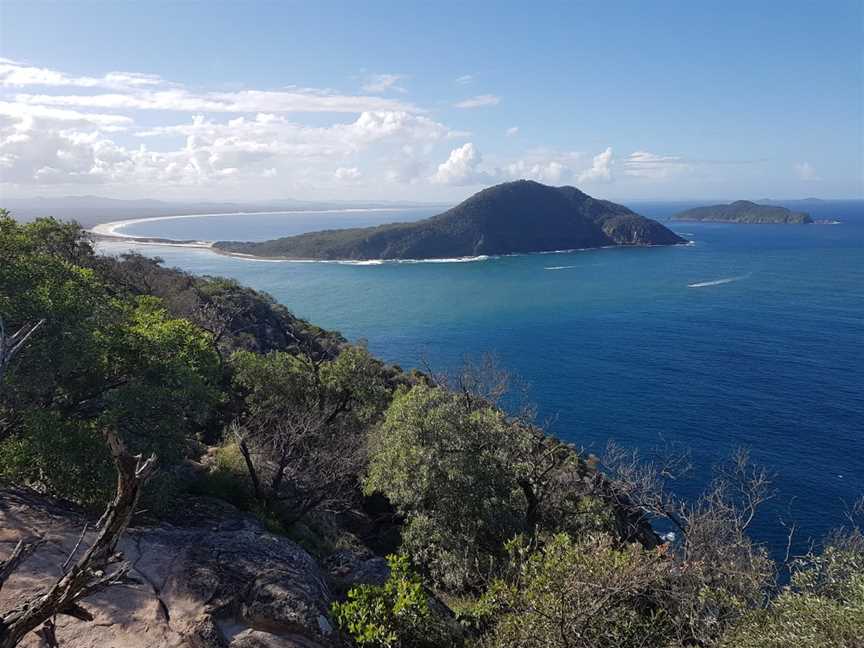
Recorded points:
753,336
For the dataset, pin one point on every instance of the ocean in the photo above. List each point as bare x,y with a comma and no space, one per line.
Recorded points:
753,336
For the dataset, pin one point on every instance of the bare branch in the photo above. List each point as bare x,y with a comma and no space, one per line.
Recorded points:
88,574
11,345
22,551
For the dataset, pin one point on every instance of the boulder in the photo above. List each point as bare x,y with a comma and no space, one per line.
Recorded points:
348,568
220,582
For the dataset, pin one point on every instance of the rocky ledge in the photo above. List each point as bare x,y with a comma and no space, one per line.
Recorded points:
221,582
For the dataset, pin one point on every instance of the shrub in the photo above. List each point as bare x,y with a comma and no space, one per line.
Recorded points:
580,594
394,615
468,478
822,607
226,477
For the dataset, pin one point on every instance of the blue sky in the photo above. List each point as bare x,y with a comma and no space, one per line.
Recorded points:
431,101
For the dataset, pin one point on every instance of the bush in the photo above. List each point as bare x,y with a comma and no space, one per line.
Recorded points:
580,594
394,615
226,478
468,478
66,458
822,607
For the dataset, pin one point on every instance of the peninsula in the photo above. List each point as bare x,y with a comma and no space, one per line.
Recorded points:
745,212
510,218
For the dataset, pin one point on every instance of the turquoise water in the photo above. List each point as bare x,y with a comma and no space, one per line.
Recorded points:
750,337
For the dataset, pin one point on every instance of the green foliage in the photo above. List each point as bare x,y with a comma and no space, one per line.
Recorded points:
803,621
467,479
102,359
226,478
278,385
579,594
169,375
394,615
65,457
302,425
823,606
447,468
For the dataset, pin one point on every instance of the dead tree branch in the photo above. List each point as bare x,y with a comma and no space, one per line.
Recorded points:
10,345
101,565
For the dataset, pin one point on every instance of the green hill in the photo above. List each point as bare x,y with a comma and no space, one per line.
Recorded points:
744,211
510,218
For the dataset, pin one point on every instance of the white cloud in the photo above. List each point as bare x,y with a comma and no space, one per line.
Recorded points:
644,164
547,172
805,171
512,131
43,145
479,101
462,168
244,101
14,74
135,91
383,83
465,79
347,174
601,168
63,134
67,118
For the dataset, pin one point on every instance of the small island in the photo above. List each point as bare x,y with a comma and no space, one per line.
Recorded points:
510,218
744,212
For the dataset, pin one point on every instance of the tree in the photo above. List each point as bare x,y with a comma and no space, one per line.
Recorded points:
100,566
10,345
444,465
101,359
302,428
467,476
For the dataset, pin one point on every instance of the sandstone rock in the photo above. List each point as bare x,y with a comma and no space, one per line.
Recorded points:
257,639
222,582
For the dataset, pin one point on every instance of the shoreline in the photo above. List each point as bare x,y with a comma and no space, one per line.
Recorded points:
110,228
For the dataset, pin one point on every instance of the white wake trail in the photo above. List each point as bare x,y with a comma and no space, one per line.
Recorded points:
718,282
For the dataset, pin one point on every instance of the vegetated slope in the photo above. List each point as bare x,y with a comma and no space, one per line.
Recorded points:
744,211
510,218
237,316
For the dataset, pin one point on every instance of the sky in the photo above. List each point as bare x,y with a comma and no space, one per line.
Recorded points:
431,101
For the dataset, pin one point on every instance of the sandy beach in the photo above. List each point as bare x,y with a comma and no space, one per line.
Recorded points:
111,230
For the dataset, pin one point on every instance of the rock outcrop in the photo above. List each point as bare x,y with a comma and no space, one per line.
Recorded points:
221,582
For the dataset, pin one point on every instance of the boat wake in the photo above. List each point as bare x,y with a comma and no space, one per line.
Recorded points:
561,267
717,282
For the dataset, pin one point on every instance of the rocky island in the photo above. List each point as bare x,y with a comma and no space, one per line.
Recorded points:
510,218
745,212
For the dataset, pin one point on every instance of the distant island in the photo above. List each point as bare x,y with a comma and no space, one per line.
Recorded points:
746,212
510,218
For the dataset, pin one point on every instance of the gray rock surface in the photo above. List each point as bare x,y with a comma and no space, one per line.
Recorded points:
348,568
222,582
